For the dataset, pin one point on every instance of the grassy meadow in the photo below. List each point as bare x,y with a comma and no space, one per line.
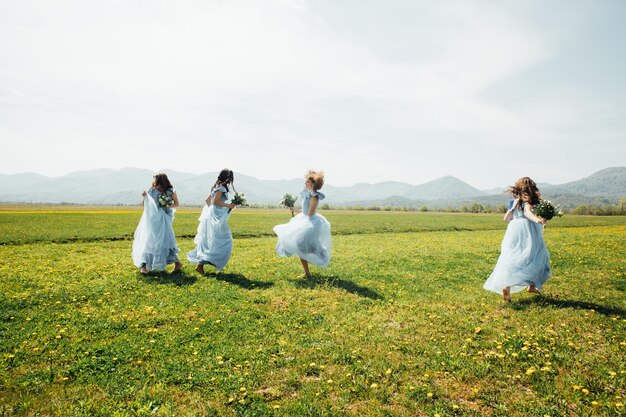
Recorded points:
398,325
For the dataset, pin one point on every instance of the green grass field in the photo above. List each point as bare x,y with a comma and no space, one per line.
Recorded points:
398,325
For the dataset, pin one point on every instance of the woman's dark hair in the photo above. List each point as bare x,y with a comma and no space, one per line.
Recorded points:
160,179
225,178
526,191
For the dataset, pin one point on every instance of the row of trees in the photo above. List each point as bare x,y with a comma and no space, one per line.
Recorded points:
597,210
473,208
618,209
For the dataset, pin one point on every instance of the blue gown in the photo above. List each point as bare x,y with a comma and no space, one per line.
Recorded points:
304,236
214,242
154,244
524,258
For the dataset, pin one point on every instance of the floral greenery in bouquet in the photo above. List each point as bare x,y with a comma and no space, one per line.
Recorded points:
239,199
165,199
288,201
547,210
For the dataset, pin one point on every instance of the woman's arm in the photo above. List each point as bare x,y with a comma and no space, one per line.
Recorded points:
314,200
143,197
175,198
217,200
528,212
508,216
207,200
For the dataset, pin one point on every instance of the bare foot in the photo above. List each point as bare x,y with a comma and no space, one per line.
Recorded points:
305,266
506,294
533,289
143,270
177,267
200,269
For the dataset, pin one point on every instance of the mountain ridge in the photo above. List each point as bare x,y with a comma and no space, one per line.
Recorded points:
124,186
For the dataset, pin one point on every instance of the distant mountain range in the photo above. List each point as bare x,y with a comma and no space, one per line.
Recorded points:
107,186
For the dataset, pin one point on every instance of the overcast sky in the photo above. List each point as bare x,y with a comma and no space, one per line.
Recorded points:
369,91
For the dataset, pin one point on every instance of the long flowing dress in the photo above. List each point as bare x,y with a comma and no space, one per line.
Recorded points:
524,259
307,237
214,242
154,244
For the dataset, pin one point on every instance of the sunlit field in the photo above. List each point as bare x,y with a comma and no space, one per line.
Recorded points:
398,325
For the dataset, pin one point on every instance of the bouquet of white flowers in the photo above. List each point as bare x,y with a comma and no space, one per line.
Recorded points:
547,210
288,201
239,199
165,199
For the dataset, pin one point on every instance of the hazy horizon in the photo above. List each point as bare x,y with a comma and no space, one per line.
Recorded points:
368,91
328,181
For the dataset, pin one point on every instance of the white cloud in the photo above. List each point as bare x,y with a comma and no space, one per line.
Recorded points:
370,91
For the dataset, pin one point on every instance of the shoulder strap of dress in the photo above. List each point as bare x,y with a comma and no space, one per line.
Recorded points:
319,195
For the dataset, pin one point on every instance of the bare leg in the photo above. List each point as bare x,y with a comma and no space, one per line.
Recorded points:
506,294
177,267
533,289
305,265
200,269
143,270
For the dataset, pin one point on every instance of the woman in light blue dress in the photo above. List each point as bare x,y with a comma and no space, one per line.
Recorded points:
214,242
524,260
307,235
154,244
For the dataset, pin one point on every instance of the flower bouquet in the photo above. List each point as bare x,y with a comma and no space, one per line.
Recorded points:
547,210
239,199
288,201
165,199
